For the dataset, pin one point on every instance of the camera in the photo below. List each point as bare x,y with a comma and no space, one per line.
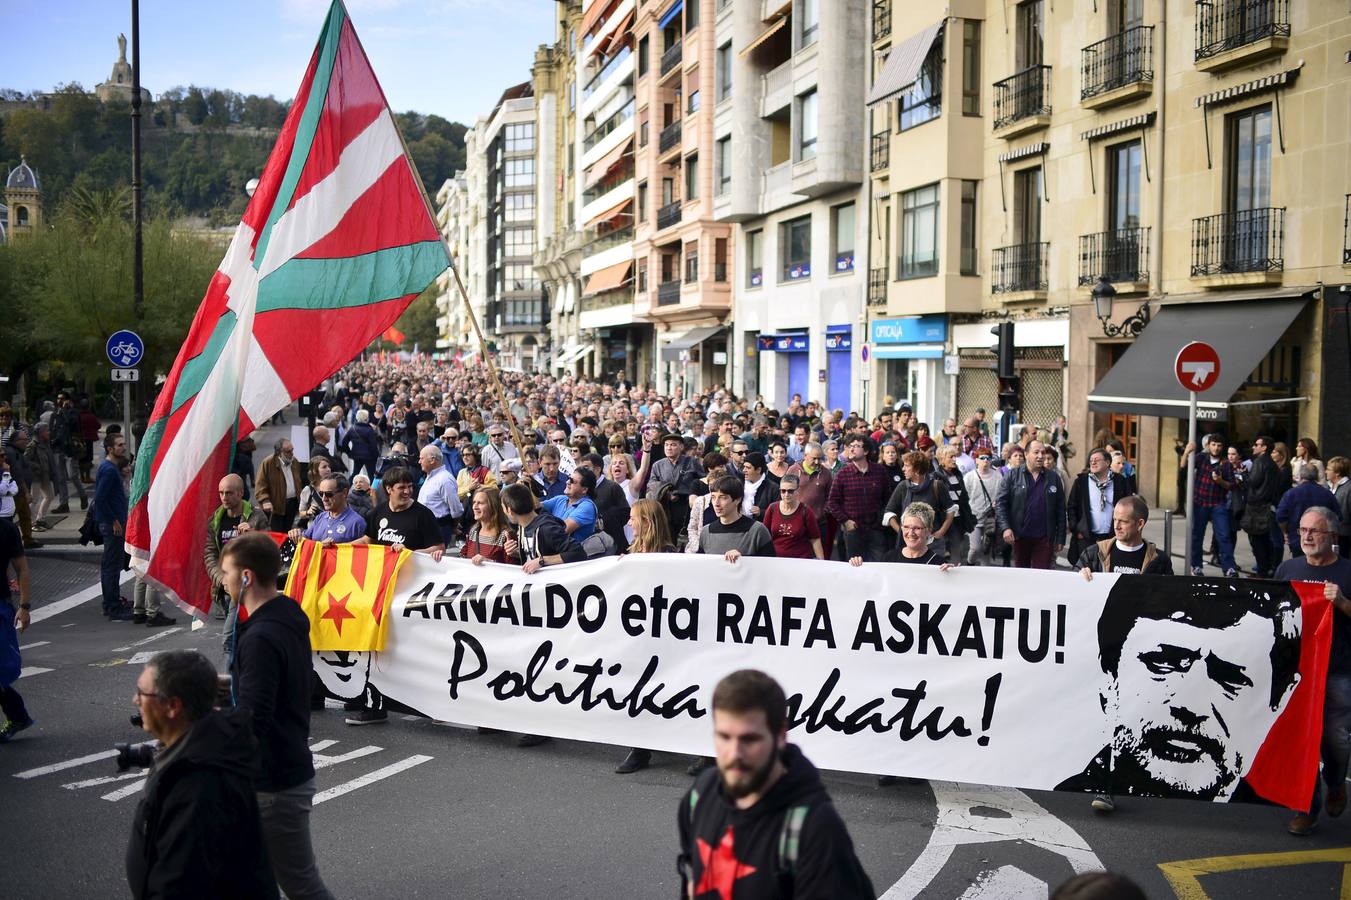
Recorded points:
142,755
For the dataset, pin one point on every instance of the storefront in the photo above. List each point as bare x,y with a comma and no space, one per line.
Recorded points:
909,354
694,359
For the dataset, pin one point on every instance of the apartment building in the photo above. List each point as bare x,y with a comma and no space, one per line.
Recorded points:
788,170
517,312
452,219
682,254
558,246
615,342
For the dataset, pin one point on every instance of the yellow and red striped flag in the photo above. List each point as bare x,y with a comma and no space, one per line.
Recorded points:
345,590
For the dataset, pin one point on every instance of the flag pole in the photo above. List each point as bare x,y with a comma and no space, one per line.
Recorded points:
464,295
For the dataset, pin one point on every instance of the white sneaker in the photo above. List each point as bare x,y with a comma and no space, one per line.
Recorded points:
1103,803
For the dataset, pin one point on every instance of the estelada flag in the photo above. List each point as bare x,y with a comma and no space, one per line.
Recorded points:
345,589
336,242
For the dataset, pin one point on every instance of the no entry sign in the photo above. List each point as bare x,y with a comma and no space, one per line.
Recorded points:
1197,367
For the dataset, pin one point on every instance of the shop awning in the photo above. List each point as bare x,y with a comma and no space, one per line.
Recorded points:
1242,332
671,13
670,351
766,35
615,36
903,64
603,166
610,213
593,15
608,278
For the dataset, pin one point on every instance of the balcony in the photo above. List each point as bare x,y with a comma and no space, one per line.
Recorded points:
671,58
881,19
1022,102
1019,271
668,215
1121,255
606,71
880,156
1232,33
604,242
670,137
877,287
668,293
598,134
777,93
1242,247
1117,69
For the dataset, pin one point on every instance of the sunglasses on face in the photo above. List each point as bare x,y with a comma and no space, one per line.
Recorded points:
328,495
783,492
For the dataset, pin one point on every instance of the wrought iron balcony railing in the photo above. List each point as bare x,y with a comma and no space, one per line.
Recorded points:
1247,240
670,136
1121,59
1223,25
668,215
881,151
1121,255
1022,95
668,293
877,287
1019,267
671,58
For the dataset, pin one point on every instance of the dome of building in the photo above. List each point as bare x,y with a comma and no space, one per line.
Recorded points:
22,178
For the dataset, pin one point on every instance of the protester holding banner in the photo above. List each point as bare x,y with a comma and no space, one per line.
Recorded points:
857,496
488,536
401,521
762,821
542,538
733,535
1320,563
792,525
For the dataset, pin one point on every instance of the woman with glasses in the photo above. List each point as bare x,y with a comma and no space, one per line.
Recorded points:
792,525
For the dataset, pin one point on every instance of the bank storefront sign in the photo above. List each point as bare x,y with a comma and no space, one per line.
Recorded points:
910,337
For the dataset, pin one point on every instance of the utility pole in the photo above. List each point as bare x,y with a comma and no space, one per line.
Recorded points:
138,254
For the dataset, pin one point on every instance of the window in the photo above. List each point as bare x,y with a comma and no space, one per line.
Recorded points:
1027,50
722,160
692,177
923,100
521,277
755,258
691,16
667,191
720,259
1027,205
919,232
521,137
795,249
1249,160
520,207
971,67
811,19
642,276
572,95
691,262
724,71
693,105
643,45
968,228
643,133
807,125
1123,186
520,241
642,202
520,173
842,238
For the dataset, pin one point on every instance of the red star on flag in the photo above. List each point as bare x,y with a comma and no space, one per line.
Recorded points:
721,867
337,611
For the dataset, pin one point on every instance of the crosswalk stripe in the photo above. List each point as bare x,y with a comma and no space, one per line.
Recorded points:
34,645
323,762
370,778
154,637
67,764
106,779
52,609
321,745
129,790
32,670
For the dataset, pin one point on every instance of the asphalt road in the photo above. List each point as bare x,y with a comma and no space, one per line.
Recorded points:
424,809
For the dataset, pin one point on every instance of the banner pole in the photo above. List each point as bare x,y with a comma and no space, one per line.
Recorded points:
1191,485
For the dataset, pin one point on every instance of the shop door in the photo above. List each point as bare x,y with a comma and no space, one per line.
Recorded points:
798,374
839,379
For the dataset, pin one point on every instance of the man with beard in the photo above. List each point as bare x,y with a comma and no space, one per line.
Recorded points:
761,824
1199,670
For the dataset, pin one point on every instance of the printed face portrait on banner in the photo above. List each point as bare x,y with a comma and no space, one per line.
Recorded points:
344,673
1198,672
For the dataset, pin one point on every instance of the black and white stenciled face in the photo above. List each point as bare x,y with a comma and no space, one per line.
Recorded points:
344,673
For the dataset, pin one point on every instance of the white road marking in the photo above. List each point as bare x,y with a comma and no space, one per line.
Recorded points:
143,657
68,764
378,775
1006,882
961,821
125,792
323,762
33,645
106,779
32,670
154,637
198,624
321,745
54,609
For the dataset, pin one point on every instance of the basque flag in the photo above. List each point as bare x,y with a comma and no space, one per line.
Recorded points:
335,243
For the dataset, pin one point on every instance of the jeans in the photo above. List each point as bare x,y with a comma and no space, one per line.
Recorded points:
1336,746
146,599
228,634
869,543
286,831
1218,517
110,567
1033,553
64,467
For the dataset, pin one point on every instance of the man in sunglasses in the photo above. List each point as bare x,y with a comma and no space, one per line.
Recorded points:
338,523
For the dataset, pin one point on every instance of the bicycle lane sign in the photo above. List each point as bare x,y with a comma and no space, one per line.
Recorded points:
125,349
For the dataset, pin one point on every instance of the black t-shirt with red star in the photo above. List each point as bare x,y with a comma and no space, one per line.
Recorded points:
726,851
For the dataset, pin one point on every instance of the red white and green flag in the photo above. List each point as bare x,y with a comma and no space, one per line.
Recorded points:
335,243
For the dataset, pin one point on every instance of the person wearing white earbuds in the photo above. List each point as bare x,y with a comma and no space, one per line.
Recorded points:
271,672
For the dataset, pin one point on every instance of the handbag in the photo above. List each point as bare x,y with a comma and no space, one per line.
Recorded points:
89,531
1257,518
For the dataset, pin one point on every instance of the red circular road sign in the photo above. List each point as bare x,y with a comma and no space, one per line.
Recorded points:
1197,367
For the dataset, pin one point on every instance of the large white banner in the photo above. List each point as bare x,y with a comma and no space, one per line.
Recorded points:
999,676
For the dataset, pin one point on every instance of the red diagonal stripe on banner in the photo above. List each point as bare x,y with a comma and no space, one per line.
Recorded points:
354,101
390,214
345,331
388,564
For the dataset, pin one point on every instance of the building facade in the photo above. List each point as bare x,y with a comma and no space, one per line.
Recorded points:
788,169
23,201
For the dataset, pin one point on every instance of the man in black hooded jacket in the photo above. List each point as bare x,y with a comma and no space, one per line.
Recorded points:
760,824
196,832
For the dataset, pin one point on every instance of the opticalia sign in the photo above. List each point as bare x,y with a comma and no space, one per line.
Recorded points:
910,330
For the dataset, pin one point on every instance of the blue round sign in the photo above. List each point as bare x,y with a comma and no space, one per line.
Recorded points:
125,349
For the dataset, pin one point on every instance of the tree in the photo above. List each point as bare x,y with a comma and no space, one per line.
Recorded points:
195,106
418,322
435,160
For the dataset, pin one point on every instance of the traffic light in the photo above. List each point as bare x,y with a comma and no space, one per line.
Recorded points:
1003,349
1010,393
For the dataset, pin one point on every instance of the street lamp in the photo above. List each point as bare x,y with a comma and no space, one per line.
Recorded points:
1103,294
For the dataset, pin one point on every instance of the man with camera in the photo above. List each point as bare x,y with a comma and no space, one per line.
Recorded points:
196,832
271,670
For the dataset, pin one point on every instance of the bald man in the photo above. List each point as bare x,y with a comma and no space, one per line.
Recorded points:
233,517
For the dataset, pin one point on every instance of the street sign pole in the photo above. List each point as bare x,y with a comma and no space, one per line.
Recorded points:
1191,481
126,416
1197,367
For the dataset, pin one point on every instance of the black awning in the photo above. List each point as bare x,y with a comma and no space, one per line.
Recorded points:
670,352
1242,332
